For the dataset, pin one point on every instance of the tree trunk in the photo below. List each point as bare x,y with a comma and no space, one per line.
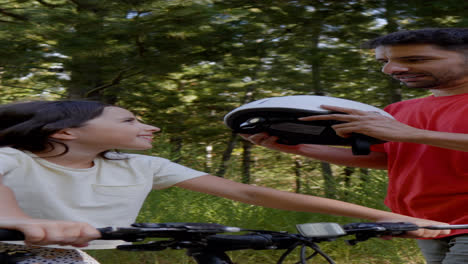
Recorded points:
363,175
246,161
329,181
393,87
227,155
327,174
297,170
249,91
347,172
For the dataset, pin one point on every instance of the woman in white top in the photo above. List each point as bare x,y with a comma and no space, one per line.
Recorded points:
59,181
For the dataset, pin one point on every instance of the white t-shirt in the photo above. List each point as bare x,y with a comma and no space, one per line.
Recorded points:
110,193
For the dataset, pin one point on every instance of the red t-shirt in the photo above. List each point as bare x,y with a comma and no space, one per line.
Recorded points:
425,181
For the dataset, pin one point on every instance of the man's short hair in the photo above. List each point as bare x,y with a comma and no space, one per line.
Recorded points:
455,39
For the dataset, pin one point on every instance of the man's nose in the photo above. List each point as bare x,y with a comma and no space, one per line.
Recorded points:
394,67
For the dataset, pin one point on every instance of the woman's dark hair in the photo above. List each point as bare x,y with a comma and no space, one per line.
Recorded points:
29,125
454,39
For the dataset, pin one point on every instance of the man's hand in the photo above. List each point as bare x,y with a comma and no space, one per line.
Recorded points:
368,123
420,233
265,140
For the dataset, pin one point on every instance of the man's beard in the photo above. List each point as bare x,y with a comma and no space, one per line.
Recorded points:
435,82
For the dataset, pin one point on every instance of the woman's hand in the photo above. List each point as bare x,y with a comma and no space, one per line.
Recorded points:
49,232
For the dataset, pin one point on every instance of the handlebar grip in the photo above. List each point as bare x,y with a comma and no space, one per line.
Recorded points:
445,227
11,235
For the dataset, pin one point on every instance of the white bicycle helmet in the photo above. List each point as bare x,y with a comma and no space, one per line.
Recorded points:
278,116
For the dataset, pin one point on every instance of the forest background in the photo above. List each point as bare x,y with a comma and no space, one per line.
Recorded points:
182,65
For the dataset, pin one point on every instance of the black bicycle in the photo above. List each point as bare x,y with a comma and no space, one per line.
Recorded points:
207,243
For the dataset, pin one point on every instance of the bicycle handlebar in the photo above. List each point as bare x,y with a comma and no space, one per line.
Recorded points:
11,235
205,244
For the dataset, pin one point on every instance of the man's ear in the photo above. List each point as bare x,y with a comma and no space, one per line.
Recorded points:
64,134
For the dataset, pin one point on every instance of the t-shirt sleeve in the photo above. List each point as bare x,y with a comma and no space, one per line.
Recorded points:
8,160
168,173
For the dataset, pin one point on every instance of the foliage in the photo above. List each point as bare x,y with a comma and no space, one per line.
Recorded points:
182,65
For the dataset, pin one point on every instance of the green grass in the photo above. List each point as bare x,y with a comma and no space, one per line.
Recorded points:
177,205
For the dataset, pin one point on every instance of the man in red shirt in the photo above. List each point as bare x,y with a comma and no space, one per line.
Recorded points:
427,151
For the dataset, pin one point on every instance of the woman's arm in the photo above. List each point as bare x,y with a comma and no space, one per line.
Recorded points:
8,205
40,231
298,202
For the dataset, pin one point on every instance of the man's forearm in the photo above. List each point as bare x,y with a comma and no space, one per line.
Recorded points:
454,141
343,156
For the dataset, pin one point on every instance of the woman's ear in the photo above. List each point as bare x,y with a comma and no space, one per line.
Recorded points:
64,134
